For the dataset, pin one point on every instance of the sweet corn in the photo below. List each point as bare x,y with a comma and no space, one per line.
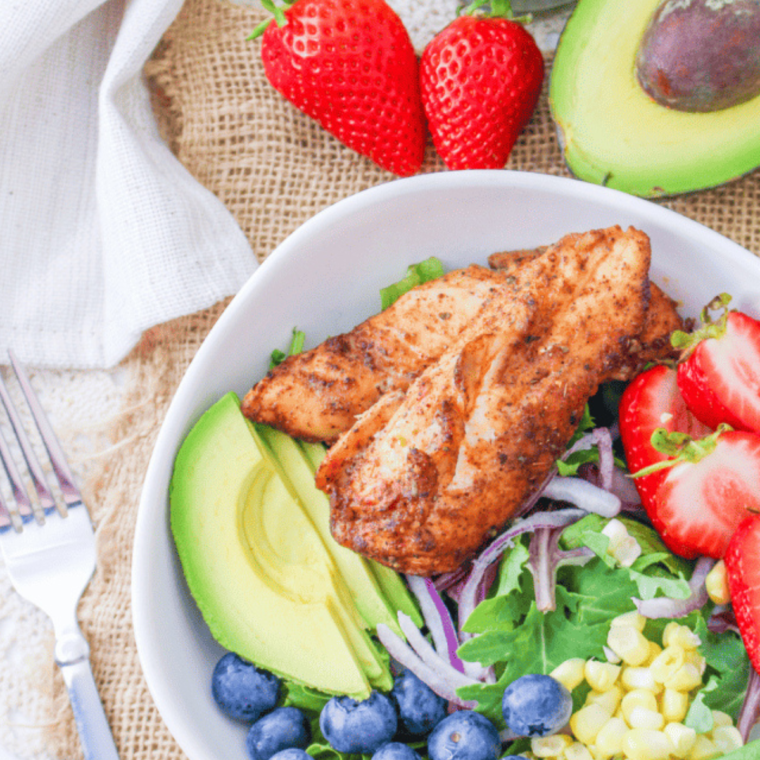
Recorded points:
721,718
667,663
686,678
576,751
611,656
616,532
629,644
550,746
716,584
642,717
646,744
682,737
633,618
654,652
601,676
696,659
679,635
639,678
609,740
703,749
674,705
637,698
727,738
570,673
587,722
627,551
609,700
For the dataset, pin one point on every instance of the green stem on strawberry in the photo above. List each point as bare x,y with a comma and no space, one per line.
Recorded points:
497,9
680,447
687,342
278,11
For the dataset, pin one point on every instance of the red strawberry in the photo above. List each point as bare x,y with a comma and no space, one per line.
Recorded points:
710,489
480,79
720,375
743,569
350,65
652,401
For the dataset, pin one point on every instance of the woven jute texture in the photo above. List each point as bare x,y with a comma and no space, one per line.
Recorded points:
274,169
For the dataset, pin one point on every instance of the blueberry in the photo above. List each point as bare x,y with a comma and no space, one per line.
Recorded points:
464,736
396,751
283,728
293,753
242,690
351,726
536,705
420,709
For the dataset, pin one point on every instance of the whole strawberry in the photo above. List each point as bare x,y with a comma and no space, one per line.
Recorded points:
350,65
480,79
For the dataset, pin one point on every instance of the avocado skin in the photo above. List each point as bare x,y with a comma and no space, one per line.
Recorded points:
612,133
292,618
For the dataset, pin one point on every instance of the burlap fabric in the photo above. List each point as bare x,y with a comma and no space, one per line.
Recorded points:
274,169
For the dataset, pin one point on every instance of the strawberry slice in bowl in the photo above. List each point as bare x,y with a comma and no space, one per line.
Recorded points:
719,376
743,570
710,486
651,401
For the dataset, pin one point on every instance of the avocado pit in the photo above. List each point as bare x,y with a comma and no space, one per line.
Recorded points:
701,55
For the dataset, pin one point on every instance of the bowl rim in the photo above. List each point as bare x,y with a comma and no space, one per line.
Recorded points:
176,420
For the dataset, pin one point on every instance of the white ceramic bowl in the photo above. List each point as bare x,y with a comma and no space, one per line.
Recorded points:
324,279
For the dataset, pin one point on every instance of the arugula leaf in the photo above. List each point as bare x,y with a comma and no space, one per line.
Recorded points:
296,346
416,274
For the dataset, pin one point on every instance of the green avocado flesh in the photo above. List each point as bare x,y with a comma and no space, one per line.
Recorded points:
614,134
252,534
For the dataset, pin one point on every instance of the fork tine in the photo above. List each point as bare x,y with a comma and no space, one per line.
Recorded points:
20,494
69,491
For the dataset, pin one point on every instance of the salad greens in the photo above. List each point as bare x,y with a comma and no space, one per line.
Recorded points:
416,274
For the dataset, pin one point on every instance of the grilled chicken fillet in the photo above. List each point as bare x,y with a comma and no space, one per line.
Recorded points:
426,476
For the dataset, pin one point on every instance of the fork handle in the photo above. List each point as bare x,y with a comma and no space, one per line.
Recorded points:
72,657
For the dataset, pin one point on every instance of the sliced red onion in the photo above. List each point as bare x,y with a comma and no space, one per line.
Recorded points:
468,598
750,710
431,675
667,607
624,488
584,495
437,618
445,581
545,559
723,619
603,441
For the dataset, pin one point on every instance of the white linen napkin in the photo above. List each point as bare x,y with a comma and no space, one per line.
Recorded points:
103,233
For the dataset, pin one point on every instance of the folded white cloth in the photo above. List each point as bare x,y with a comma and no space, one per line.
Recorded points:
103,233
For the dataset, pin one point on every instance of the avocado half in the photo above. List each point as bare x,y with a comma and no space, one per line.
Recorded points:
612,133
252,534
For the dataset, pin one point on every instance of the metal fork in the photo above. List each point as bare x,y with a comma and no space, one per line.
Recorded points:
50,557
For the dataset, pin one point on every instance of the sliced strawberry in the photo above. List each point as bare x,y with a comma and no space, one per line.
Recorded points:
708,492
720,376
653,401
743,569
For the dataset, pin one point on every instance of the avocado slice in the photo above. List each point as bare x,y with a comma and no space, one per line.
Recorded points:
614,134
257,568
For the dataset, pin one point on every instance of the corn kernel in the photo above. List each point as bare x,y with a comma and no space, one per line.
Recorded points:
678,635
637,698
609,740
696,659
646,744
667,663
639,678
721,718
611,656
627,551
616,532
703,749
641,717
716,584
654,652
686,678
727,738
586,723
601,676
682,738
550,746
609,700
633,619
629,644
569,673
576,751
674,705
